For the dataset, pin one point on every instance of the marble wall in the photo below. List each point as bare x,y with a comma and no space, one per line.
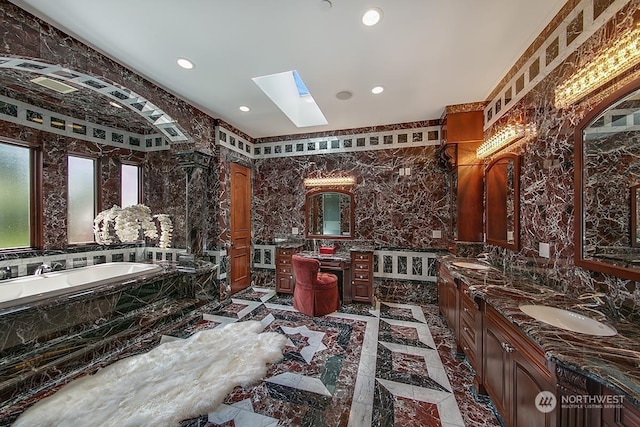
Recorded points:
164,180
547,174
391,210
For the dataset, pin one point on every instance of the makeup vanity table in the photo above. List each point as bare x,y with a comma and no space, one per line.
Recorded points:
354,270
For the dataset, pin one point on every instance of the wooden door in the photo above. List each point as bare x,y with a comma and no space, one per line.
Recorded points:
240,233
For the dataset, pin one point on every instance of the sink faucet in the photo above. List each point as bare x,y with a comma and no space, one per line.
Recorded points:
599,299
44,268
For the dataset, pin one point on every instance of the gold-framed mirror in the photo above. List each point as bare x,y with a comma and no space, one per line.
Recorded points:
607,182
329,214
502,194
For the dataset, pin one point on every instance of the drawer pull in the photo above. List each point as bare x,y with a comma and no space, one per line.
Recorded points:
465,348
466,329
507,348
466,310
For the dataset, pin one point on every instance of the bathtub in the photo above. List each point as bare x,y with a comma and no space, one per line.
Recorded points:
78,281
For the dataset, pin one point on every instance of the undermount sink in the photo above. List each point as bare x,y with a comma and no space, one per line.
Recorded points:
568,320
470,265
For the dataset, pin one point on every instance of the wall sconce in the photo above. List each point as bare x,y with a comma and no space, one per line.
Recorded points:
329,181
620,56
504,137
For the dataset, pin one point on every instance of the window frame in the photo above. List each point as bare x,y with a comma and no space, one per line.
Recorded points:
96,189
140,180
36,205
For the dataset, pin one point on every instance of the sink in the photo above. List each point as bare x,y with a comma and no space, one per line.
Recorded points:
471,265
568,320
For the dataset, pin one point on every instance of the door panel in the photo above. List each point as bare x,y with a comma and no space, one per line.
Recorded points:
240,212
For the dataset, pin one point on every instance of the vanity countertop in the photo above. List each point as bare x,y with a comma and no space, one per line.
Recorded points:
611,360
338,256
290,245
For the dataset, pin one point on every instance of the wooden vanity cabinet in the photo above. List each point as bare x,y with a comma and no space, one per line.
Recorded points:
284,270
515,371
470,323
362,278
572,384
462,133
626,415
448,300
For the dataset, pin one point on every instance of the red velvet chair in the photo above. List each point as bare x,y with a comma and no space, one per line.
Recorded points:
315,294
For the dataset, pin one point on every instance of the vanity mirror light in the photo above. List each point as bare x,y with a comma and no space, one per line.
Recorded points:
329,214
607,186
502,194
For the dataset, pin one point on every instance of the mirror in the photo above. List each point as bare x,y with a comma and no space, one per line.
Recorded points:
329,214
502,194
607,150
635,216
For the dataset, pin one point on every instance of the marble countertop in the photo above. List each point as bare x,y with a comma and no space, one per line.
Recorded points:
338,256
611,360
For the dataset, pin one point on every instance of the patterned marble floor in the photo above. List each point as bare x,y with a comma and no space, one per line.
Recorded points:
388,365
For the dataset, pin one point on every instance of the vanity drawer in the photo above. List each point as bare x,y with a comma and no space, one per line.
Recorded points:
469,309
283,269
363,276
364,256
329,264
286,252
362,266
283,261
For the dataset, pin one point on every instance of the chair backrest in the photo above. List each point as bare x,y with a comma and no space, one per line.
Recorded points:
305,270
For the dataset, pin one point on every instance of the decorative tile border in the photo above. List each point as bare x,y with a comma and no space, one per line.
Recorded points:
23,114
570,33
387,264
136,103
384,140
65,261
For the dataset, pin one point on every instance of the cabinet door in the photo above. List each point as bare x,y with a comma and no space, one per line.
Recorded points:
496,367
361,292
527,384
284,284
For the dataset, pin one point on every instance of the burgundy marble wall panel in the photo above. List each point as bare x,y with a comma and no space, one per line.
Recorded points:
547,185
391,210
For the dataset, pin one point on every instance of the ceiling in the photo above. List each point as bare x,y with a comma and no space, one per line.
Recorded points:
425,53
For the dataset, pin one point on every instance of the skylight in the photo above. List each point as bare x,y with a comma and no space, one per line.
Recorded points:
288,91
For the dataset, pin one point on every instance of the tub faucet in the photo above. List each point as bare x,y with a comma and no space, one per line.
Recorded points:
44,268
5,273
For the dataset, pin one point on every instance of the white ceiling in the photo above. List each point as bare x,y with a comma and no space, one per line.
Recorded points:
426,53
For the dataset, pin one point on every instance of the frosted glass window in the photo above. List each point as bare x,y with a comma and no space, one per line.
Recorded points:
82,199
15,197
130,185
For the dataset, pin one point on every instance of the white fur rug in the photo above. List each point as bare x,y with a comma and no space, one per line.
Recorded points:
175,381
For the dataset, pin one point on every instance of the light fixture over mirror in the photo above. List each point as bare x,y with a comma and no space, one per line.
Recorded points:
618,57
329,181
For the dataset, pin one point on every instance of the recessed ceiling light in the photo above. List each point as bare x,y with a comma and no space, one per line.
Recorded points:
376,90
325,4
185,63
244,108
115,104
372,16
344,95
